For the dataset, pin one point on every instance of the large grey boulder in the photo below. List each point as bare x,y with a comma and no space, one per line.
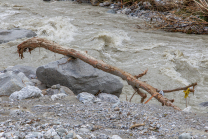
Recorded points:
79,77
12,81
13,34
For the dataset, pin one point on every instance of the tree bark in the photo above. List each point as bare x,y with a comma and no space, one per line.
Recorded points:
135,83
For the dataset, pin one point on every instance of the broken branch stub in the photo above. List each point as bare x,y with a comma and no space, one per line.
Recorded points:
136,84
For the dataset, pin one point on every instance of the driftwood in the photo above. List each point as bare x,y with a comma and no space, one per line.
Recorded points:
135,83
136,125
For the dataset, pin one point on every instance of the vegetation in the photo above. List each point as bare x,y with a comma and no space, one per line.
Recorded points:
188,16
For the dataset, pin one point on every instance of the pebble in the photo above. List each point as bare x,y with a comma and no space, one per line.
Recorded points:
84,130
116,137
185,136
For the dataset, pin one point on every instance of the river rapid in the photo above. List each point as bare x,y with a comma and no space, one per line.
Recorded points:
173,59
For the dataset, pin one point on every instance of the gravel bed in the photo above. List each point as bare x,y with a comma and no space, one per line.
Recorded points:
68,118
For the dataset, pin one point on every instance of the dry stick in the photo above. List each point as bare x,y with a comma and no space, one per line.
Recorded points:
39,42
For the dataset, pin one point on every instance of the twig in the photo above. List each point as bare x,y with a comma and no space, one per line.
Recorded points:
132,96
181,88
136,125
142,74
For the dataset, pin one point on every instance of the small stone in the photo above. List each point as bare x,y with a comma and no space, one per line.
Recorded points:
50,133
57,86
108,97
69,136
95,100
112,117
58,96
185,136
101,5
61,132
92,136
106,3
26,92
56,137
84,130
116,137
85,97
116,109
78,137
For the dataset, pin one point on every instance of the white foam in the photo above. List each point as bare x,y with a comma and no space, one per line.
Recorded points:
57,29
111,39
6,13
172,73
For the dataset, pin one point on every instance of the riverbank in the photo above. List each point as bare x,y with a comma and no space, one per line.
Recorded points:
187,16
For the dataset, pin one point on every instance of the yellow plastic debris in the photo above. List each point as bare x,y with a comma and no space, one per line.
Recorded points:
186,92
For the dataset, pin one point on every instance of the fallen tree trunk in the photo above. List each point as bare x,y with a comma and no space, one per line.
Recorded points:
135,83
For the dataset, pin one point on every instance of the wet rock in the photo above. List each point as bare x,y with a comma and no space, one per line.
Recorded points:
185,136
12,81
30,72
204,104
112,11
58,96
108,97
85,97
79,77
26,92
13,34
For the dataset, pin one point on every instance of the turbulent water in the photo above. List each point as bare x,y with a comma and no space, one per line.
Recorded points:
173,59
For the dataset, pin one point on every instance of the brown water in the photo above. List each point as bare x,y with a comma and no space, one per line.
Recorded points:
172,59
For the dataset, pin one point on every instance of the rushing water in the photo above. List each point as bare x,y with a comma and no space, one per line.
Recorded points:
173,59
